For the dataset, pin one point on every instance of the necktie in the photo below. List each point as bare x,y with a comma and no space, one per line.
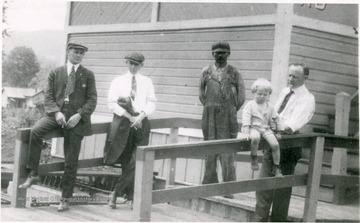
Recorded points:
71,83
133,88
286,99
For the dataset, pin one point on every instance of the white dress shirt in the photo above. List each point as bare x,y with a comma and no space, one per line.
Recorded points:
69,66
145,99
298,110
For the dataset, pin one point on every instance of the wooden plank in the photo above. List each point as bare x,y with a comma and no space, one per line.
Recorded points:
188,192
339,180
18,197
59,166
170,167
313,181
89,147
330,37
188,150
194,35
256,64
324,54
339,158
182,55
99,145
143,186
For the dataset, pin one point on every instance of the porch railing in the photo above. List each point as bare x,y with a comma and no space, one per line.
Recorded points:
146,155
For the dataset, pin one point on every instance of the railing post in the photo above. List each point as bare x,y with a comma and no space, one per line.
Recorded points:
18,196
143,185
170,167
313,182
339,158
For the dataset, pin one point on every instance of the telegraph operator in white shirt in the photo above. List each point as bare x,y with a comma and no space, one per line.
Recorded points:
296,106
132,99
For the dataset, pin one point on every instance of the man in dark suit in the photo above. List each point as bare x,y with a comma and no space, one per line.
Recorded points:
70,99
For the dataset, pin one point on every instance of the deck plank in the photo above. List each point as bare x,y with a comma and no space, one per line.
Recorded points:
160,213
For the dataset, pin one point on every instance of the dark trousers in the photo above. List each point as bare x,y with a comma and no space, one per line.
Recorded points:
227,168
137,137
279,198
72,145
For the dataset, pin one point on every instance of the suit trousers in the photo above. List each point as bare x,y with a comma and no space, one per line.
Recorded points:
137,137
72,145
279,198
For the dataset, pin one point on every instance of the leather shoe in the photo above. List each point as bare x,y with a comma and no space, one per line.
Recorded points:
30,181
64,206
112,200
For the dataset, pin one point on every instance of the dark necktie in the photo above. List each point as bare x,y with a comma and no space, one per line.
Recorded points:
133,88
71,83
285,101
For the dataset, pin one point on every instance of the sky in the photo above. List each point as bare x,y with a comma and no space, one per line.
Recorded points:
31,15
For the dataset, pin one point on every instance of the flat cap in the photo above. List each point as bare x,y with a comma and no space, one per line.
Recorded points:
222,45
76,45
135,57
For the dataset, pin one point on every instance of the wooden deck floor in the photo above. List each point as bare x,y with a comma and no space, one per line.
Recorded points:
123,213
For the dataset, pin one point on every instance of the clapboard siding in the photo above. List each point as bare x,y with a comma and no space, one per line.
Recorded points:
174,60
333,63
257,33
186,11
94,13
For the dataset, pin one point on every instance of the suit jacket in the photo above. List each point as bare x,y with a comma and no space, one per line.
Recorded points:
83,100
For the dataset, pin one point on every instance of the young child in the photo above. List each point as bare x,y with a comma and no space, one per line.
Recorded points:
259,117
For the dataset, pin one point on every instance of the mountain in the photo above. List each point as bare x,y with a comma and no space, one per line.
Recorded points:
48,45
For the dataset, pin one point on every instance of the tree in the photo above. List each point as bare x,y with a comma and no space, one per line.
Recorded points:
40,81
4,24
20,66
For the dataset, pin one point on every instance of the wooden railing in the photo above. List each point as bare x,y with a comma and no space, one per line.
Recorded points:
146,155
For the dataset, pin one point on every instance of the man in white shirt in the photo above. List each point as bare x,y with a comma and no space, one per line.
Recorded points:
131,98
296,106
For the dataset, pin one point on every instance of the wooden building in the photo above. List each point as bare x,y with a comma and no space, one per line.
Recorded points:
176,40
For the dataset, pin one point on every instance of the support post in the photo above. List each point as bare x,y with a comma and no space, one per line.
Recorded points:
170,167
313,182
281,53
339,158
143,185
18,196
155,12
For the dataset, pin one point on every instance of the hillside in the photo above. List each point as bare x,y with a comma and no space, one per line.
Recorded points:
47,44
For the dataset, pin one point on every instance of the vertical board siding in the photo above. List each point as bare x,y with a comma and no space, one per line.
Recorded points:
174,60
188,11
333,63
96,13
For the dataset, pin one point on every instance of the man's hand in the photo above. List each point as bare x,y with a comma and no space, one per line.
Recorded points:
287,130
138,119
73,120
60,119
246,129
278,135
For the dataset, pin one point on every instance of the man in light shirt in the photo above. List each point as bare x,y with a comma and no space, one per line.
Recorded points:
131,98
296,106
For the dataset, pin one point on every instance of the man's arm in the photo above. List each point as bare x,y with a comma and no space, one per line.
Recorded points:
305,109
49,100
240,92
202,85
